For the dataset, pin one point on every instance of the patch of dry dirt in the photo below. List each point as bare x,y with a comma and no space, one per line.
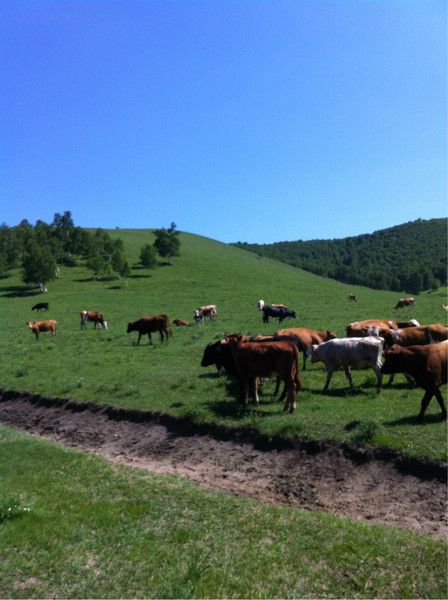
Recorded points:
326,480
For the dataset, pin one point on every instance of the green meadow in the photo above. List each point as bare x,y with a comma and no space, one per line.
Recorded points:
83,527
108,368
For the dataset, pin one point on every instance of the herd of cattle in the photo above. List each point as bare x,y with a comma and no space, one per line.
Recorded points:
387,346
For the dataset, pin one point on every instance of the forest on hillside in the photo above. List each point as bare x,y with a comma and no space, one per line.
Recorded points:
406,258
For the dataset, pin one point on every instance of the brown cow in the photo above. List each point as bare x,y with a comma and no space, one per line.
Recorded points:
94,316
38,326
426,364
148,325
306,338
266,359
181,323
415,336
372,326
405,302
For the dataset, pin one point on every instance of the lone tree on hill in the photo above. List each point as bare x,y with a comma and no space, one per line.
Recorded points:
167,242
148,256
39,265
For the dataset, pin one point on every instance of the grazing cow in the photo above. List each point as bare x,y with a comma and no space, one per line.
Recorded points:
352,297
306,339
365,328
266,359
405,302
40,306
279,313
350,352
415,336
38,326
209,311
93,316
181,323
427,365
148,325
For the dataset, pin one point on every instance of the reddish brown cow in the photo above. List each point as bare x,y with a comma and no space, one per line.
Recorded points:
94,316
428,367
181,323
405,302
148,325
306,338
266,359
415,336
38,326
364,328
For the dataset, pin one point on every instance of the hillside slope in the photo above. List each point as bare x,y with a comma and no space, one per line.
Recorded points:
410,257
107,367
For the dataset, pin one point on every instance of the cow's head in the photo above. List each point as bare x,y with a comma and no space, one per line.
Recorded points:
130,327
315,354
393,362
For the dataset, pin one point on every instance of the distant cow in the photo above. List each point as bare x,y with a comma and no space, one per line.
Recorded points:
445,307
352,297
405,302
428,367
94,317
306,338
40,306
367,327
279,313
181,323
38,326
209,311
148,325
266,359
350,352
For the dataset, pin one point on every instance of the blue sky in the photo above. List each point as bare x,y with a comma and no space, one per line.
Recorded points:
239,120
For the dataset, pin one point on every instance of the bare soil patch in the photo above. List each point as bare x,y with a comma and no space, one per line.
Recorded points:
327,478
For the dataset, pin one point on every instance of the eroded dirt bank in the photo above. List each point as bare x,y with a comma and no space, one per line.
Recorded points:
323,479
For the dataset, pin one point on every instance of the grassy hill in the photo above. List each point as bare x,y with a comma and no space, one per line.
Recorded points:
410,257
106,367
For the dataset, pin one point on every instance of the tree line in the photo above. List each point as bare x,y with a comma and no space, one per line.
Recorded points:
406,258
41,249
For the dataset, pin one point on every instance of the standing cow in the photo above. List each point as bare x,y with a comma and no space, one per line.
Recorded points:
403,302
38,326
277,312
427,365
350,352
148,325
306,338
94,316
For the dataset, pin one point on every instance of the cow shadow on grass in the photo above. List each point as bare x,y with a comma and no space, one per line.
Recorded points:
232,407
18,291
412,420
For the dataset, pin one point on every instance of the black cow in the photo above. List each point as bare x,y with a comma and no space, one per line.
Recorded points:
277,313
40,306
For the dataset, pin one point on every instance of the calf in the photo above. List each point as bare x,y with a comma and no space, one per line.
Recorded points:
350,352
38,326
40,306
266,359
148,325
306,338
427,365
181,323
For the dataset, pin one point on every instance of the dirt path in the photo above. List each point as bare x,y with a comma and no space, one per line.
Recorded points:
325,481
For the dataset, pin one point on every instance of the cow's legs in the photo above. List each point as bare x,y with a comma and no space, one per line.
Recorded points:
329,376
244,391
36,333
255,389
349,376
290,403
161,335
439,399
149,338
379,378
139,336
425,401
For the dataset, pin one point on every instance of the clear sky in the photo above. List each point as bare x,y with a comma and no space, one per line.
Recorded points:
245,120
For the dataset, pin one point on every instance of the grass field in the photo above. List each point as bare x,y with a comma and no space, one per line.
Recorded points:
106,367
92,529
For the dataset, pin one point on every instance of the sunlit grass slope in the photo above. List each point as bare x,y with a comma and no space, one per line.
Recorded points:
98,530
106,366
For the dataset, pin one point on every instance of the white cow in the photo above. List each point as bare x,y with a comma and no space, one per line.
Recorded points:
350,352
